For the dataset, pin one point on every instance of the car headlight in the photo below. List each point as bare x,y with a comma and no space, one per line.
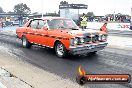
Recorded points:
81,40
76,40
104,37
100,37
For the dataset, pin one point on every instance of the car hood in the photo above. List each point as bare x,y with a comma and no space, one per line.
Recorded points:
84,32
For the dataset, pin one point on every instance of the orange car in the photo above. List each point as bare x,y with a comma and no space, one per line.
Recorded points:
61,34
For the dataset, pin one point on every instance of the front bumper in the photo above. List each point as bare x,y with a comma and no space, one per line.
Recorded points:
87,48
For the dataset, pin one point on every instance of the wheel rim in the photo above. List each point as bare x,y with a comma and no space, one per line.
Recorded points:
24,42
60,49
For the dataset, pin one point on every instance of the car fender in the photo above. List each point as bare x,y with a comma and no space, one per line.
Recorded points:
66,43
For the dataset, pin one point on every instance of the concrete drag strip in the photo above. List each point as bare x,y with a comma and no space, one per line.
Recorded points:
120,42
7,80
31,75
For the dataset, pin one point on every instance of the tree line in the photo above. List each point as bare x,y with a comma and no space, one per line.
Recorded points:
20,8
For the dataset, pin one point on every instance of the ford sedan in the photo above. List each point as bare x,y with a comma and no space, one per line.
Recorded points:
61,34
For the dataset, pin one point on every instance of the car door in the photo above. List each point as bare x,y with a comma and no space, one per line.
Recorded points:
31,31
41,33
54,32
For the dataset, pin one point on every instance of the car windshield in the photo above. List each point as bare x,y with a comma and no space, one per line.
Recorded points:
62,23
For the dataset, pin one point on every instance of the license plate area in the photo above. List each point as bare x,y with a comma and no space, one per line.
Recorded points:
91,46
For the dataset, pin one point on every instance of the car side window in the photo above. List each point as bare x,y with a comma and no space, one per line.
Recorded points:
34,24
52,24
41,24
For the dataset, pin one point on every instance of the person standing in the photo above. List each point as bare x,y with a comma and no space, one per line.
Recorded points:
20,21
2,24
83,21
131,25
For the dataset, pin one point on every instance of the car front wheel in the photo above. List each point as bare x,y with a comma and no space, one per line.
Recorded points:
93,53
60,50
25,43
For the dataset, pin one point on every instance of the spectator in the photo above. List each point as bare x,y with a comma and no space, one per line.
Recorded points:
2,24
130,25
20,20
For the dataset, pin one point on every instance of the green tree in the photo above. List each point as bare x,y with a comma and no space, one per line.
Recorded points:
10,12
90,14
35,13
22,9
1,10
63,2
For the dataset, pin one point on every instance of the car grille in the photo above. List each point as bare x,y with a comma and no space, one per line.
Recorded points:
87,39
95,38
92,39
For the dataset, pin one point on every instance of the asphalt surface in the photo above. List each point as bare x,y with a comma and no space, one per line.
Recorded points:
120,33
107,61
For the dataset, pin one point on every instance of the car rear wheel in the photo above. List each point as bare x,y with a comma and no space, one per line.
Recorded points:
25,43
60,49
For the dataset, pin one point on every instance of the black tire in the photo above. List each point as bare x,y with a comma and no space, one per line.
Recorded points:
81,80
25,43
60,52
93,53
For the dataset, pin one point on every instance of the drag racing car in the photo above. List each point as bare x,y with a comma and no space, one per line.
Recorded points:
61,34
